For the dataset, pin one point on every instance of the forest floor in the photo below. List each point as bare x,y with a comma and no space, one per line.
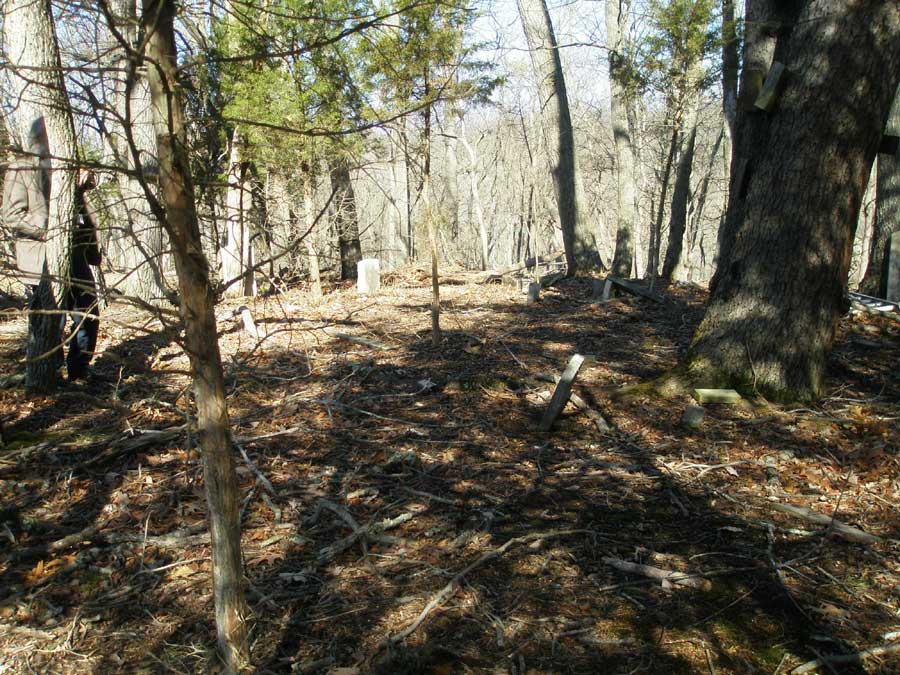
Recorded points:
403,514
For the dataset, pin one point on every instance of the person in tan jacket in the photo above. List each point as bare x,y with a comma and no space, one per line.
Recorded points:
26,199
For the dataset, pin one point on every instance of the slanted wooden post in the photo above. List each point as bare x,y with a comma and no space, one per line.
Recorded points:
562,392
607,289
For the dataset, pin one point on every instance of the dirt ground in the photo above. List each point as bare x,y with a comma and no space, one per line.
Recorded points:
403,514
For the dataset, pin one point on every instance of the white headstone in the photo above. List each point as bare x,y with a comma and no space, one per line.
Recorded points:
893,272
368,281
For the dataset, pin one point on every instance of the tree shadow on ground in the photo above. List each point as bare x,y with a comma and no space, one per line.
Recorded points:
447,435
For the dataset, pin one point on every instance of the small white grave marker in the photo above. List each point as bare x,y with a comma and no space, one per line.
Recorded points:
368,280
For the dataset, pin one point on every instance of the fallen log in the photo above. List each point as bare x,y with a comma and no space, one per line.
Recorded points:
497,275
630,287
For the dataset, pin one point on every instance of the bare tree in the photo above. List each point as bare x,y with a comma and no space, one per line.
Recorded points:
617,12
556,123
129,130
177,211
237,252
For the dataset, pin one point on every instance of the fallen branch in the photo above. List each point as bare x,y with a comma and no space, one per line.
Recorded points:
255,469
452,586
667,577
362,341
68,541
839,528
856,658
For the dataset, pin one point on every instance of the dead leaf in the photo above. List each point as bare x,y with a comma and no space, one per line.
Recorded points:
267,558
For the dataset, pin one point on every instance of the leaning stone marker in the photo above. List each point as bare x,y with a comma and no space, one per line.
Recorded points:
693,416
893,274
368,280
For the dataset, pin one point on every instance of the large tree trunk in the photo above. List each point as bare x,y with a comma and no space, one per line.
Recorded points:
38,89
767,29
139,235
346,218
770,322
237,254
616,23
887,212
556,123
177,211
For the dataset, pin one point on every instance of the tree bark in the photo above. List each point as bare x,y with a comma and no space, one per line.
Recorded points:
472,171
656,227
309,214
768,26
30,43
346,219
681,190
617,12
770,321
556,123
139,235
887,212
177,211
730,62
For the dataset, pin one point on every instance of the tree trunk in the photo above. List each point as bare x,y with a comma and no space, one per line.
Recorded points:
472,171
656,226
681,191
177,212
616,22
887,212
139,239
767,30
432,226
556,123
237,254
730,61
770,321
41,100
309,214
346,219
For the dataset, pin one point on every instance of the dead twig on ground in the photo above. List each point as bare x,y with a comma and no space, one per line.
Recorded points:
452,586
857,658
668,578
